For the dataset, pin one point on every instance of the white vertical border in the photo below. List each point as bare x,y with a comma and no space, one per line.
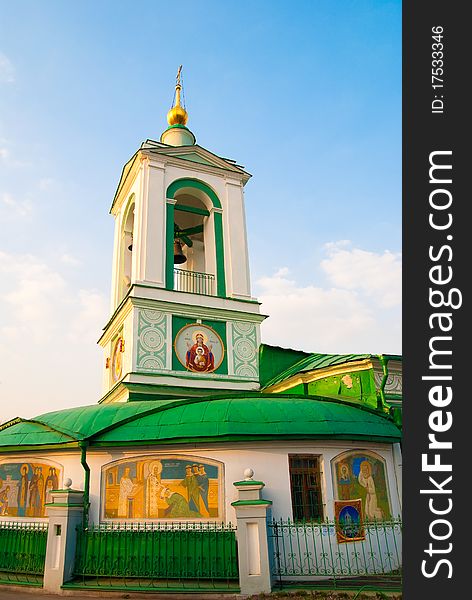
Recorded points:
169,341
229,347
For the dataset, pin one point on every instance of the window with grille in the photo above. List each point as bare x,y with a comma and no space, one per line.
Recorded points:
305,484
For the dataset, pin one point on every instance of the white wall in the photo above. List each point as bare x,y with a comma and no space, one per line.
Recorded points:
269,462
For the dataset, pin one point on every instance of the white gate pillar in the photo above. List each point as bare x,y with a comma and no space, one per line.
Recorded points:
253,552
65,513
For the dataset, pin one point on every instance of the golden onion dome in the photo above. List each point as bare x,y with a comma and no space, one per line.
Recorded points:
177,115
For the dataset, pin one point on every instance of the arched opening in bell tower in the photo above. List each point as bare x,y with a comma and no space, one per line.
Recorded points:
190,261
126,249
195,254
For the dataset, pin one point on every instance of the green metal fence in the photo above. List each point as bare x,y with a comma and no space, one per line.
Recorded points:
22,552
310,551
162,555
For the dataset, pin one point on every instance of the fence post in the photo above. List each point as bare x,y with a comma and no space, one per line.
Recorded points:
253,552
64,513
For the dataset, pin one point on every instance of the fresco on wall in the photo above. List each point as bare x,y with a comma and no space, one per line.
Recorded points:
362,475
161,488
25,487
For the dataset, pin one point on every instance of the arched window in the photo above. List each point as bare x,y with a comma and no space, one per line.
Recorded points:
193,269
126,250
195,249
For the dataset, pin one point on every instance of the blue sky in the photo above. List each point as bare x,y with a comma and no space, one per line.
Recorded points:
306,95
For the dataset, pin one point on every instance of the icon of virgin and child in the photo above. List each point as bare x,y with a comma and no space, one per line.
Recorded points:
199,356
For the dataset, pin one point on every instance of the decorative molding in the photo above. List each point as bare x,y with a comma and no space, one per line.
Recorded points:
152,341
393,385
245,351
310,376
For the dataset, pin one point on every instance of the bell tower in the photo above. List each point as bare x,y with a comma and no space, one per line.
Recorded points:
183,321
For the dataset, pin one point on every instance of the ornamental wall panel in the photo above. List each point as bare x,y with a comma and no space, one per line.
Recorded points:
152,344
245,349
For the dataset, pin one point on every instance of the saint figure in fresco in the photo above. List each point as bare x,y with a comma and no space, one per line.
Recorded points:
344,481
127,490
372,511
52,483
4,501
23,491
177,506
36,491
200,357
153,485
203,484
193,492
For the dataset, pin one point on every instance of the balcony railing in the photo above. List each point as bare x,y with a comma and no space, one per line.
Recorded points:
194,282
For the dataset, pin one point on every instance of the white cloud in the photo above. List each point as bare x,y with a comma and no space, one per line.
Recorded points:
70,260
349,316
7,70
9,159
376,275
47,184
14,207
48,355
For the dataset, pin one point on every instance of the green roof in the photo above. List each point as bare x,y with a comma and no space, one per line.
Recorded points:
278,364
274,360
252,416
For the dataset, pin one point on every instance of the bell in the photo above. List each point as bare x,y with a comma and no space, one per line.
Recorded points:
130,247
179,256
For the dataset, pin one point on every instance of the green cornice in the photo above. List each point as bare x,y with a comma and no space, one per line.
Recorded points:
17,448
184,308
248,482
252,503
193,376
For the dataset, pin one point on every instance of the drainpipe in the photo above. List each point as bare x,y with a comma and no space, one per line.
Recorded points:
83,461
384,363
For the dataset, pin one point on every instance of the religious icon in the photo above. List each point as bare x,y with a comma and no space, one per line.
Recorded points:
153,484
51,484
199,348
4,500
372,511
128,489
361,474
117,360
348,518
23,491
177,505
199,356
344,481
168,487
25,488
